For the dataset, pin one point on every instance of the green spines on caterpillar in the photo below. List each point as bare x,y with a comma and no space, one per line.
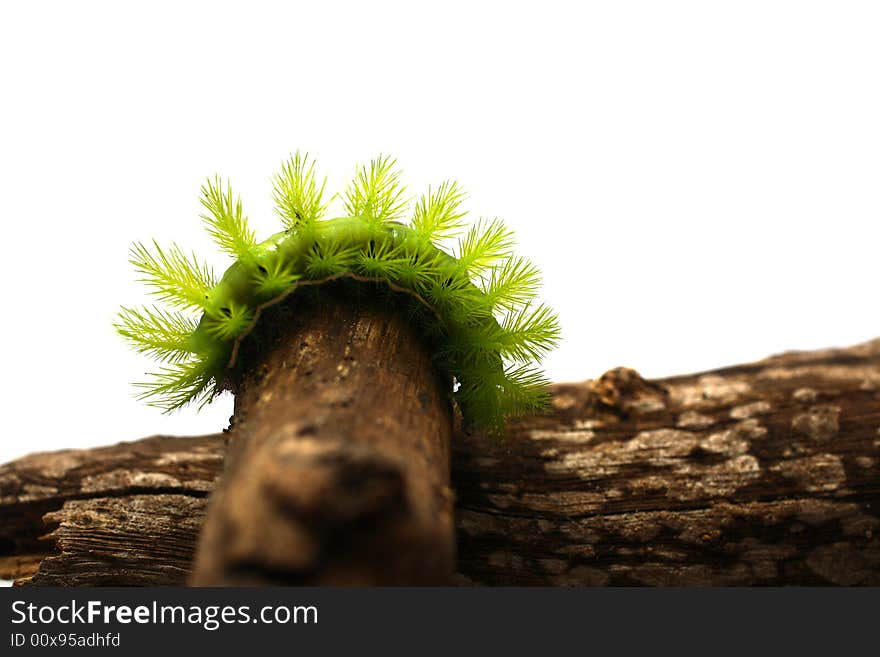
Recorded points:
480,300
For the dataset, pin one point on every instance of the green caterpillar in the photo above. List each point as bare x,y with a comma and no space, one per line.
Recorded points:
480,302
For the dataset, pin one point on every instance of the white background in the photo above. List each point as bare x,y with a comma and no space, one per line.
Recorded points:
698,180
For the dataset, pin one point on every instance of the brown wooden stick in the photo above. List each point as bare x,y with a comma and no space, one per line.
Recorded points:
766,473
127,514
338,468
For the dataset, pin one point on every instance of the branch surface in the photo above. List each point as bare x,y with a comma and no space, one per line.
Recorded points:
764,473
337,470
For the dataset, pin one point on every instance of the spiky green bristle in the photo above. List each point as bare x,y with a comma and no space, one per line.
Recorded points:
482,297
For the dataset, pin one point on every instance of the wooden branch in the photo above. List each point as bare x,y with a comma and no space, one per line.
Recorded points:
125,514
338,466
767,473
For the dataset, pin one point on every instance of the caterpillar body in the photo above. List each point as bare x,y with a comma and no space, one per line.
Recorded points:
480,302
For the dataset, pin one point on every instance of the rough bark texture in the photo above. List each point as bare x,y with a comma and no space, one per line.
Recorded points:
338,463
767,473
126,514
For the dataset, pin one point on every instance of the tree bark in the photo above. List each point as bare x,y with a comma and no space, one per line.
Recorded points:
128,514
338,463
762,474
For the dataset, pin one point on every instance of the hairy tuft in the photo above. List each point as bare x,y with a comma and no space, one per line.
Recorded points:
478,303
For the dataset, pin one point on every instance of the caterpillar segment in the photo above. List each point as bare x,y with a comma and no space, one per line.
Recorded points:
479,304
